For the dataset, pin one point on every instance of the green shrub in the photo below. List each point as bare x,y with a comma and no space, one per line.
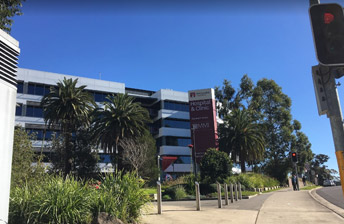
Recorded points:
207,188
55,200
166,197
252,180
65,200
179,193
189,181
121,195
215,166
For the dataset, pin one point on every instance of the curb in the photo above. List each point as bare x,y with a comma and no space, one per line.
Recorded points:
249,197
339,211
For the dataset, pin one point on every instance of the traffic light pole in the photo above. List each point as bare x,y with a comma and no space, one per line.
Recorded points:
328,103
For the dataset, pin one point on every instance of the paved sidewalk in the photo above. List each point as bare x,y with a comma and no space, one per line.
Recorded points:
295,207
283,206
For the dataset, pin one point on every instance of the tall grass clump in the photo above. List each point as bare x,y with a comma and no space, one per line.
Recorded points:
120,195
252,180
54,200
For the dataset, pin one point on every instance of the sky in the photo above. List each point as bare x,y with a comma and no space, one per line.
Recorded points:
181,45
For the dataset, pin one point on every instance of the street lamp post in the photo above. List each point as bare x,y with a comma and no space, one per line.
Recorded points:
159,168
194,160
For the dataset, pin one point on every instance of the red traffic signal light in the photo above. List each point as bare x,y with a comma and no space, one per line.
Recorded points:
328,32
294,157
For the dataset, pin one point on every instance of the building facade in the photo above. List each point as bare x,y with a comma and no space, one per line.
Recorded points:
168,109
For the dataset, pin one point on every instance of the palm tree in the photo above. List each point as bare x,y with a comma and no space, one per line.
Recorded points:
241,136
67,106
121,117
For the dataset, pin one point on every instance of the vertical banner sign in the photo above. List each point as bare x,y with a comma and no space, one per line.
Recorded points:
203,121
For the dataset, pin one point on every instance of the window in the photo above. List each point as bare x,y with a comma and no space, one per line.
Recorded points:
20,87
172,123
177,141
38,89
183,160
34,111
19,110
104,158
176,106
39,133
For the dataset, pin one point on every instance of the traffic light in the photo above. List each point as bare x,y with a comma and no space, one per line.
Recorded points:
328,32
294,157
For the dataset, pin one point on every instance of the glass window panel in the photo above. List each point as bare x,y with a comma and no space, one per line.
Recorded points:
46,90
20,87
103,158
31,89
98,97
19,110
38,112
48,134
29,111
39,90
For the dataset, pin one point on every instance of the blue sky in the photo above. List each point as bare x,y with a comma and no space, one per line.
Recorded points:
181,46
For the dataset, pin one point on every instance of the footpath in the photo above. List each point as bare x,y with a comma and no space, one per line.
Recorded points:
284,206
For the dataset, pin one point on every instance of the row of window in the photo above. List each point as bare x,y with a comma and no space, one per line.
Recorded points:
173,123
173,141
40,135
42,89
103,158
176,106
177,141
31,111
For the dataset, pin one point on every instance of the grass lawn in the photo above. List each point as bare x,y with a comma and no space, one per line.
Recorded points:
307,188
150,190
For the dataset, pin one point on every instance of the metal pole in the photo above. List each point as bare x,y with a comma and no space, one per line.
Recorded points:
194,150
336,121
226,194
198,197
240,194
219,196
297,177
334,113
231,191
159,168
159,202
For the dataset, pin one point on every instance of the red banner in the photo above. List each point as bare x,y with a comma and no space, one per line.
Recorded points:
203,121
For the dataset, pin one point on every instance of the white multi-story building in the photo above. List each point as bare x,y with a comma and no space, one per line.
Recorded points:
168,109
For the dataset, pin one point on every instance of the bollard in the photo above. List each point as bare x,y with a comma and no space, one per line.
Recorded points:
226,194
198,197
231,191
159,197
219,197
236,192
240,194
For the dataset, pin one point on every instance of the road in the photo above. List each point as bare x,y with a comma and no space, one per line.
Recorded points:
333,195
284,206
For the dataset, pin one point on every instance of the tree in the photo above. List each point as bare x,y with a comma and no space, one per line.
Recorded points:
229,99
301,145
121,117
241,136
8,9
140,153
318,165
215,166
68,107
269,107
23,158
